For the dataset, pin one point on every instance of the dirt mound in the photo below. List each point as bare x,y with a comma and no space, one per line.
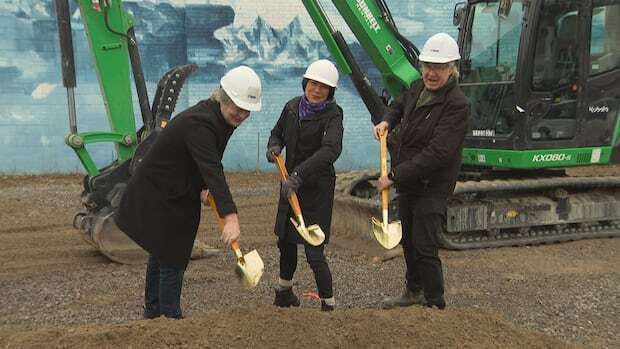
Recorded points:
267,326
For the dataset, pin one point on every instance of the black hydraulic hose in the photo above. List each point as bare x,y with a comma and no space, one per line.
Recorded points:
412,52
107,25
66,43
373,102
138,76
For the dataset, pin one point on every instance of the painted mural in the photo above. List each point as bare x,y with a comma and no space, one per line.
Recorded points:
276,38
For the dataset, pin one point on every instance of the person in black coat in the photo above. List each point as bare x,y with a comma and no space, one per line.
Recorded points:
160,207
426,156
310,128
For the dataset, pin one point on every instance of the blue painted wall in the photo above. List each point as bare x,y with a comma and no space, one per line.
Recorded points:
276,38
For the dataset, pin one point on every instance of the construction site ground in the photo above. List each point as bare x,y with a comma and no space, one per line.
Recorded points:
57,291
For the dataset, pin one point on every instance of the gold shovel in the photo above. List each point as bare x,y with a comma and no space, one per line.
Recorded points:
313,234
249,266
387,234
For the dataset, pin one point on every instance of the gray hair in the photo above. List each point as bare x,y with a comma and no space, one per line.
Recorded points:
220,96
455,69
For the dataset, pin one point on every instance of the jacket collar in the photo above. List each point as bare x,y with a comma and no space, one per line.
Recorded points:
293,105
439,95
214,106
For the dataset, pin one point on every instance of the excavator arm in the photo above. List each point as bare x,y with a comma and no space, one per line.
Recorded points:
114,48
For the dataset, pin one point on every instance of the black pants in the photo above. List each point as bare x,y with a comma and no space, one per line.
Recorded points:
421,249
315,257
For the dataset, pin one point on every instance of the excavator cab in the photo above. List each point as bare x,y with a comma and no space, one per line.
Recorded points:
543,79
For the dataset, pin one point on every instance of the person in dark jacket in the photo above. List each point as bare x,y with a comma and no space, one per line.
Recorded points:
310,128
160,208
426,156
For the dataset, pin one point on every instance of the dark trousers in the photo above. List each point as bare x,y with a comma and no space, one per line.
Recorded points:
318,263
162,292
421,249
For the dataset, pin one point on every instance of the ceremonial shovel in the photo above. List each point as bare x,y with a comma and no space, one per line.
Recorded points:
387,234
313,234
249,266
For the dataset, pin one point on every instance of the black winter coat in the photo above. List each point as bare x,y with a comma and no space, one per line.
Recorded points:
312,146
160,208
427,149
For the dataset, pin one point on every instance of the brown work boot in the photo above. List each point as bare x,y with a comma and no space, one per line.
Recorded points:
286,298
407,298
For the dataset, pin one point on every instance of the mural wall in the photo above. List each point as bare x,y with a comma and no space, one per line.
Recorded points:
276,38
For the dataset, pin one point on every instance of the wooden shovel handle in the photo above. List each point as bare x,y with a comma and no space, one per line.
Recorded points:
233,245
384,171
293,200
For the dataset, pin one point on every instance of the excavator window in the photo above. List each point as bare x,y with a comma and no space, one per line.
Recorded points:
489,66
557,52
605,37
556,70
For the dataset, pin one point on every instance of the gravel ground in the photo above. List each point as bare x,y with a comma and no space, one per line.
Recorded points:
554,295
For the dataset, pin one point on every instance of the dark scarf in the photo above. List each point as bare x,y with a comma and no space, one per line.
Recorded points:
307,109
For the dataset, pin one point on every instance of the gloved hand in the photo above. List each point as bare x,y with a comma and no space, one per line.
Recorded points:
274,149
290,185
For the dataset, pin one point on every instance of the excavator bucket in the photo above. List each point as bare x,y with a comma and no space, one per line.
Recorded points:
115,244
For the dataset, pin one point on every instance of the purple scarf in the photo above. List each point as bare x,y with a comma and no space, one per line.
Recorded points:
307,109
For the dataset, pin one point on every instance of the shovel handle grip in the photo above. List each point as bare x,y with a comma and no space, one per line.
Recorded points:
214,207
281,166
237,250
383,153
383,157
233,245
293,200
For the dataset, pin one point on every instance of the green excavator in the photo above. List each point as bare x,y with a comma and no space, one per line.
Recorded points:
543,80
542,76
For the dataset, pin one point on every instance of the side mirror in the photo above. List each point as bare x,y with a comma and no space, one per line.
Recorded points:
459,14
504,8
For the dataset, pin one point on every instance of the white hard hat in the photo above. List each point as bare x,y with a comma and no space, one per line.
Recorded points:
243,86
323,71
440,48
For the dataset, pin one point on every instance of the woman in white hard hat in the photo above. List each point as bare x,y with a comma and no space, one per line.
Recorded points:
432,116
160,208
310,127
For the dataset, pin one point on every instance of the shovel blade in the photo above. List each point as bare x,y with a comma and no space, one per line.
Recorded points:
250,269
313,234
388,235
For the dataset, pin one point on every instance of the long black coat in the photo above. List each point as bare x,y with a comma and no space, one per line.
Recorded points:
312,146
427,150
160,208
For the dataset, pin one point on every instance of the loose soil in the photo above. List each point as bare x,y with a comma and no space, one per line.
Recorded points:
57,291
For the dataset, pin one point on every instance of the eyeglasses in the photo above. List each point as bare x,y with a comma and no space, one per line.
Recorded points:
435,66
240,112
